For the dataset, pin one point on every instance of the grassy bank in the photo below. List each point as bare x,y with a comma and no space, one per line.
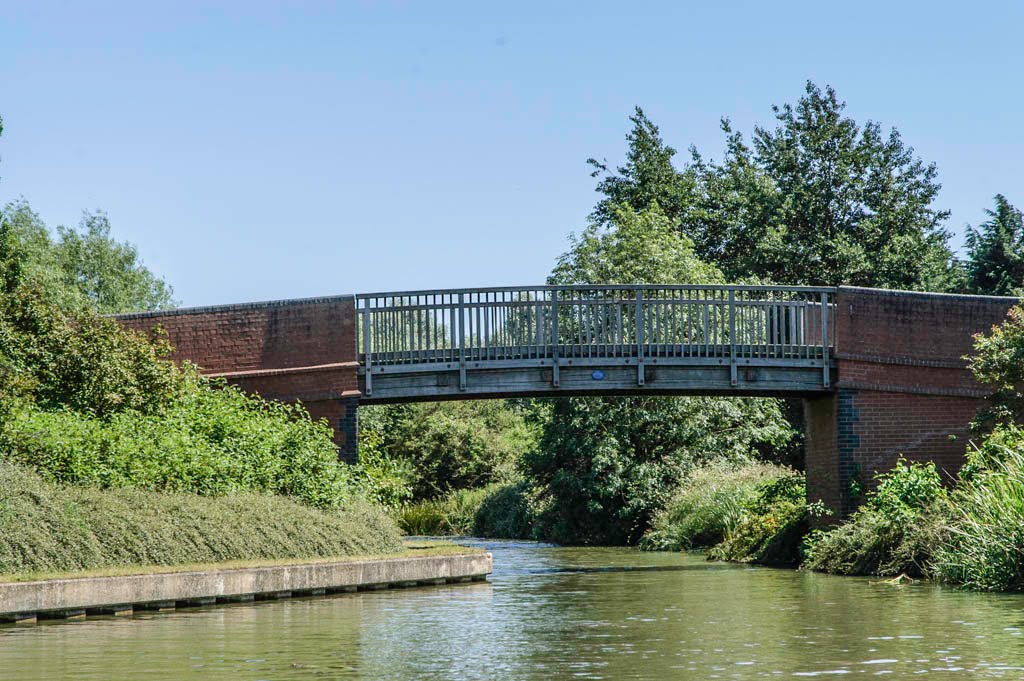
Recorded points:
60,528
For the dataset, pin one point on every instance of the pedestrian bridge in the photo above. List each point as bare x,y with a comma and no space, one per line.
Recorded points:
881,373
578,340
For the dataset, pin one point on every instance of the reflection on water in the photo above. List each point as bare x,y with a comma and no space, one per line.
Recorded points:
551,612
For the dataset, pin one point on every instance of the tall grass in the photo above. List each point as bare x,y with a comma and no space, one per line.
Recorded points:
452,515
709,505
499,510
985,546
49,527
773,524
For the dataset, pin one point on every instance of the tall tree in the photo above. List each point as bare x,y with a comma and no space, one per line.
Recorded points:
109,273
605,465
647,177
996,252
820,199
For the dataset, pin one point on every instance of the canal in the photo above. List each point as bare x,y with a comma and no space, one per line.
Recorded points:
552,612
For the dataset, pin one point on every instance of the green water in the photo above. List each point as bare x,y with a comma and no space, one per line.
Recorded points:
554,613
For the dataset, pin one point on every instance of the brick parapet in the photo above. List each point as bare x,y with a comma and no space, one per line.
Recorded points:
287,350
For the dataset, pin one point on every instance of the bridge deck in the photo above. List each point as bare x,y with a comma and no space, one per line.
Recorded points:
549,340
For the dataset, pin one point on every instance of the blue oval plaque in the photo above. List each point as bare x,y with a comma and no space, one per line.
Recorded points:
597,375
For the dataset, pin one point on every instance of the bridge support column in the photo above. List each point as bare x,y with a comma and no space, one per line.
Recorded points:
343,415
827,477
852,435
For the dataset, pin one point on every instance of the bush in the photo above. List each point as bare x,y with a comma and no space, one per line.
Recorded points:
985,545
772,527
209,441
453,515
606,466
48,527
380,478
505,512
497,511
998,363
84,401
708,506
452,445
895,532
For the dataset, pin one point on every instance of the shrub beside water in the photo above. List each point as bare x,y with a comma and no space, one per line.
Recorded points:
708,505
772,525
896,531
984,548
49,527
500,510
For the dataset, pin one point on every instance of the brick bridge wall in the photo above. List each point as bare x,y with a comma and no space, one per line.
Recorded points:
289,350
903,387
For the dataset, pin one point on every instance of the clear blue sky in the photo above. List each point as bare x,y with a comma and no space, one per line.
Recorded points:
254,152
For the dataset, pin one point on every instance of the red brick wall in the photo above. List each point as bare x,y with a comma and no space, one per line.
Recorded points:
903,386
289,350
254,336
821,444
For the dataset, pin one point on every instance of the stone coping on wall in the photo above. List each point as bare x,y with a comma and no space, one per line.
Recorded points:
234,307
74,597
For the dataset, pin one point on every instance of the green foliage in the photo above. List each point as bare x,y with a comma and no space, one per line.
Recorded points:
648,177
996,252
820,199
86,402
984,548
381,478
108,273
61,354
709,505
505,512
636,247
896,531
47,527
772,526
605,466
452,515
906,489
211,441
452,445
85,267
998,362
500,510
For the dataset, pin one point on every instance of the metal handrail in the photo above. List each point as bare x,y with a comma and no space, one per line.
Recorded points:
600,287
676,324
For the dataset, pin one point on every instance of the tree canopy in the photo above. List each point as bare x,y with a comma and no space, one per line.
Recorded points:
995,264
86,266
818,199
605,465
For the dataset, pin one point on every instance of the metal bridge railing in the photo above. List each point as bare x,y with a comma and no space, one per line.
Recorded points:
550,326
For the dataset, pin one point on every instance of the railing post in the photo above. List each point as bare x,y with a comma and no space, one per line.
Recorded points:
367,350
732,338
826,379
462,342
554,338
640,335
